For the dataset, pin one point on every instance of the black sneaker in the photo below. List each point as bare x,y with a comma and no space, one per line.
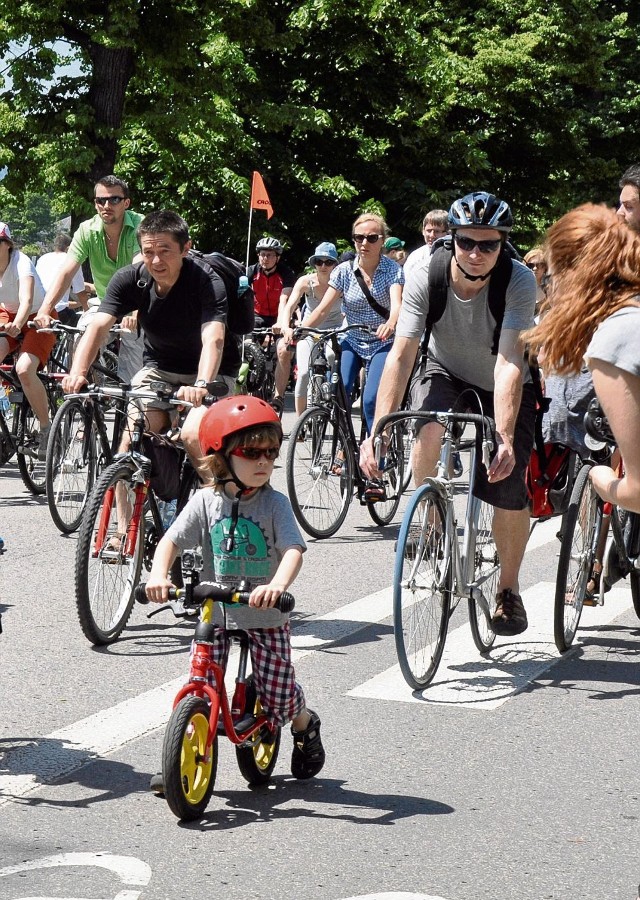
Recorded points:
308,754
510,617
156,784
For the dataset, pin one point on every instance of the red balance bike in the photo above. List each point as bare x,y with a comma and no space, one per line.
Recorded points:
202,710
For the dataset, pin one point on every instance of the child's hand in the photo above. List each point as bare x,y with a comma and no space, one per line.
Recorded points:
157,588
265,596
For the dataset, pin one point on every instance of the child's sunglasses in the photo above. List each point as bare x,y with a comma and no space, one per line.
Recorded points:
254,453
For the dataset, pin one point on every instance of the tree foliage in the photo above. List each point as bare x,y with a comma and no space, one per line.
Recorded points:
333,103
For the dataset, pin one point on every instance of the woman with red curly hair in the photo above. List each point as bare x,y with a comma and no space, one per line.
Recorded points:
592,312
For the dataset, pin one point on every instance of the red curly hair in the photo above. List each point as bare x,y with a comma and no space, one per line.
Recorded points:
594,262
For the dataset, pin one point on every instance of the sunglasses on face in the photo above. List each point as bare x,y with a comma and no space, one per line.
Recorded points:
371,238
325,262
255,453
114,201
468,244
536,265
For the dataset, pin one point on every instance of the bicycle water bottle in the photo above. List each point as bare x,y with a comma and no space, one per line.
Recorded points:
243,285
5,406
167,510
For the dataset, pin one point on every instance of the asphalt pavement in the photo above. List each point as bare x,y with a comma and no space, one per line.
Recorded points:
512,776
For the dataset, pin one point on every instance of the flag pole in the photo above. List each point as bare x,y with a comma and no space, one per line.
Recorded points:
249,236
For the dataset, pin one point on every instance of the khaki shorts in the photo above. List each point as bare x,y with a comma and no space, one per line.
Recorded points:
146,376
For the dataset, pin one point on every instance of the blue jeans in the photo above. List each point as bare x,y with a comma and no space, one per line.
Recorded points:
350,366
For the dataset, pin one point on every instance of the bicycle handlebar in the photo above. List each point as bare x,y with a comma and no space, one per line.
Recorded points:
443,418
208,590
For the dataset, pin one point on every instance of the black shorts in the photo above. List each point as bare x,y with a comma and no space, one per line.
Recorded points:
437,389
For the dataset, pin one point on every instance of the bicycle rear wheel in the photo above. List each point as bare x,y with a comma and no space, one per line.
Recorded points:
32,469
486,574
188,771
422,588
257,758
580,529
71,464
383,511
106,573
320,474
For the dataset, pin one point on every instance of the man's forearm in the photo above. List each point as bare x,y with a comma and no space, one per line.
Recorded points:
507,398
395,375
211,357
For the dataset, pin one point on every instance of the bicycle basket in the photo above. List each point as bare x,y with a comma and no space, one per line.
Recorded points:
549,482
166,465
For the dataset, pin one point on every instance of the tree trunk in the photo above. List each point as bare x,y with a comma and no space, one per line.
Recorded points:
111,72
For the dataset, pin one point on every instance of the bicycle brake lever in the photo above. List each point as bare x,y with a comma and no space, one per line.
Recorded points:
177,607
487,447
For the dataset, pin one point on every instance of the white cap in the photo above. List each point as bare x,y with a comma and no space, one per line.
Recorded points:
5,232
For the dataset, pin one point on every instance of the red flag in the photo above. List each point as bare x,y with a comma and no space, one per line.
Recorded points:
259,196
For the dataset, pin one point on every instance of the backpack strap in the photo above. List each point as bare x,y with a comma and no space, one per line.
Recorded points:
368,296
143,283
439,273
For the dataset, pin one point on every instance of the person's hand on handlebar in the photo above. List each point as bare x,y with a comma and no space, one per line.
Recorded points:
157,588
192,395
266,595
43,320
368,462
385,331
73,384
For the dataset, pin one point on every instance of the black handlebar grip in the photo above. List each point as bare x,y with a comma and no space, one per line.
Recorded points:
286,602
140,593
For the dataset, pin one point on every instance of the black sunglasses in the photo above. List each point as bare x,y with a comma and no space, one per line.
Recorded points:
537,265
325,262
371,238
468,244
114,201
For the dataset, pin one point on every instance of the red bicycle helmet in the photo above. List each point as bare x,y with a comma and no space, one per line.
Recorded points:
231,415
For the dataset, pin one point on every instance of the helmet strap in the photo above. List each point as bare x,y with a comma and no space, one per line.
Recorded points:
467,275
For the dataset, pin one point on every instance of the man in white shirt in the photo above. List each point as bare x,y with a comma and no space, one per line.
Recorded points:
49,266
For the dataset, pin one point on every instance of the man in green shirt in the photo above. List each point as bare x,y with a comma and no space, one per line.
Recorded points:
109,242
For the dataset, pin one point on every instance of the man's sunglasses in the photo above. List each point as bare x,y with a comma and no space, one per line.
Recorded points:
468,244
114,201
254,453
325,262
371,238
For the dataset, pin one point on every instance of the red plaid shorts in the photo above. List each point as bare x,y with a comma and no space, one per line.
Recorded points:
281,697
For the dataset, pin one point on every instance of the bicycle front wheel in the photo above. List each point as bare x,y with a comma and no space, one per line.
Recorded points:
486,575
422,588
106,571
320,472
580,528
71,464
188,766
257,758
383,511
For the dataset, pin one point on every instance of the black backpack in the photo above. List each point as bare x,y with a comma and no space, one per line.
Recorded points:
439,269
241,314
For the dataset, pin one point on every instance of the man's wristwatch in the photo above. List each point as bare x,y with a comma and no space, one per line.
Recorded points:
200,383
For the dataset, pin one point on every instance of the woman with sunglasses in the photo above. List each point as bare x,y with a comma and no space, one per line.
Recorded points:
369,290
311,288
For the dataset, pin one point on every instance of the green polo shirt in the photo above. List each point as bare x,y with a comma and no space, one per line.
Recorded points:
89,243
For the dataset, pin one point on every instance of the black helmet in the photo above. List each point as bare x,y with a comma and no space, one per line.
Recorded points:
269,243
480,210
